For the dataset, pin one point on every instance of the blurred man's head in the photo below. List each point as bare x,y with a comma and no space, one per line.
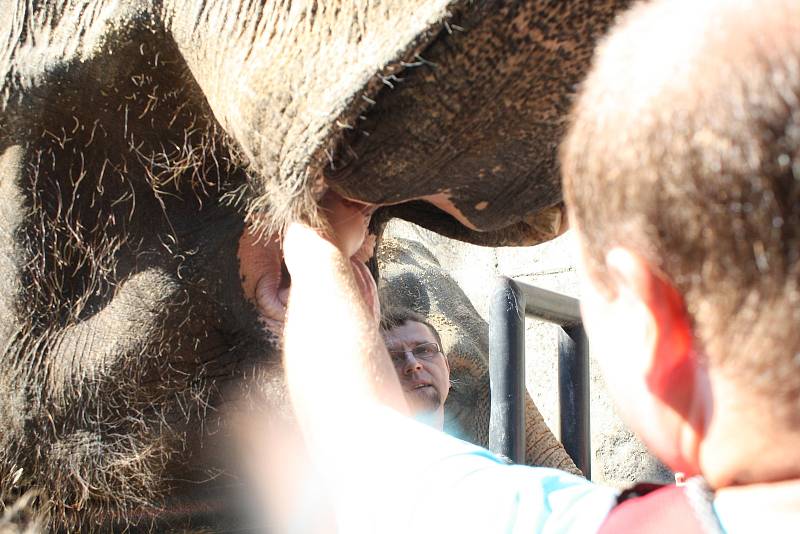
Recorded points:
682,178
424,372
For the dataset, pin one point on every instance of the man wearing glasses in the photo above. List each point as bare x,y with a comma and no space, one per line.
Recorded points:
424,372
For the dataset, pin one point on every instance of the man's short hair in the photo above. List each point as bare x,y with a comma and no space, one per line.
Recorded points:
685,147
392,317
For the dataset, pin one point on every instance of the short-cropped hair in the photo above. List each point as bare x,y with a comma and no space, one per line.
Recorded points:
685,147
392,317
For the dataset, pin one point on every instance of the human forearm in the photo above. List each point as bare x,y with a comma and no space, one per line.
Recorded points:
336,362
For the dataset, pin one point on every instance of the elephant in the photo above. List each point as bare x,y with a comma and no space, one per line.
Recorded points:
412,277
142,140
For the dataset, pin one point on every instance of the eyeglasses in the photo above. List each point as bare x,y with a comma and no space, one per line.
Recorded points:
424,351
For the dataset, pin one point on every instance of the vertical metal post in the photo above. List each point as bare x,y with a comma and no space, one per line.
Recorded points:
573,392
507,370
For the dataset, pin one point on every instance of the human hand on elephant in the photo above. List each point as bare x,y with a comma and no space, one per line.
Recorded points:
332,311
266,281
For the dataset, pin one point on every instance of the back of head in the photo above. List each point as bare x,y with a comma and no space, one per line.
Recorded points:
685,147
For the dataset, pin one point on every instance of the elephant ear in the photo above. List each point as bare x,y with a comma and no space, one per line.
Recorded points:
412,277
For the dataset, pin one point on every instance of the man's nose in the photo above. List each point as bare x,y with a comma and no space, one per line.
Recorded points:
410,364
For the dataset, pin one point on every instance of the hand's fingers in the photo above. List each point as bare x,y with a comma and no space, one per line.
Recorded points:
308,254
348,220
303,246
367,288
367,249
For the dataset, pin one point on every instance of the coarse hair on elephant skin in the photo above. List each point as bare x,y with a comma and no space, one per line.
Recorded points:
138,141
411,277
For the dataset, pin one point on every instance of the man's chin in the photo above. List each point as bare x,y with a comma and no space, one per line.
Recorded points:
424,400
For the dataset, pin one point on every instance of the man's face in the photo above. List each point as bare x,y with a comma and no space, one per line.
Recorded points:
424,376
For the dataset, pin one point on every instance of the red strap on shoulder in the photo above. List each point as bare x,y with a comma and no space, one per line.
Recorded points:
662,510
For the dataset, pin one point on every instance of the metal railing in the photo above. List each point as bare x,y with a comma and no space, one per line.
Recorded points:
511,302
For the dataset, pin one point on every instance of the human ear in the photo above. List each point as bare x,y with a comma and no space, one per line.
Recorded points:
671,405
669,364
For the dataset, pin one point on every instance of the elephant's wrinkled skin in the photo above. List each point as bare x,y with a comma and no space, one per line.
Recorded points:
135,139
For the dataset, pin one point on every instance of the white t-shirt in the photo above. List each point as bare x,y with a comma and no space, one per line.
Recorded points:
419,480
